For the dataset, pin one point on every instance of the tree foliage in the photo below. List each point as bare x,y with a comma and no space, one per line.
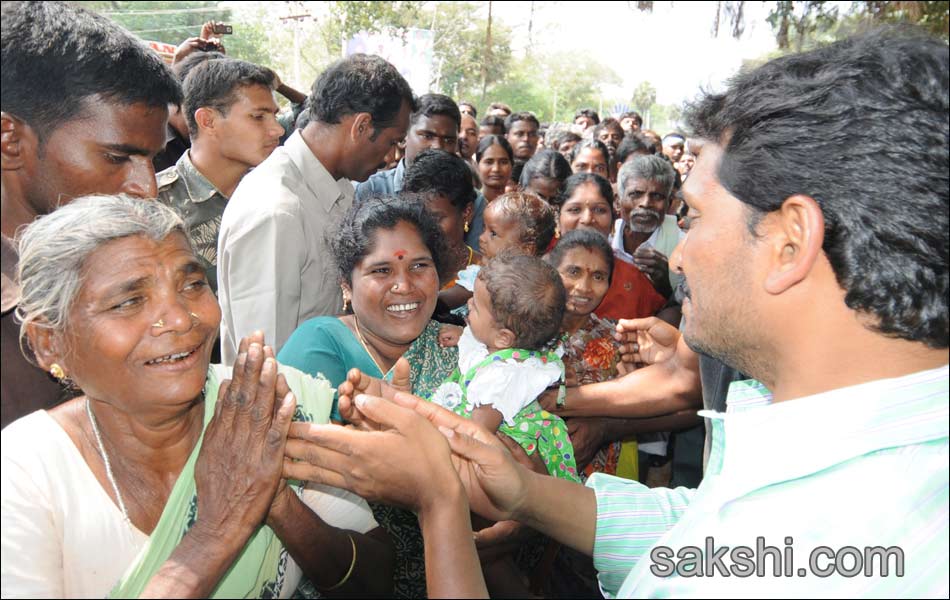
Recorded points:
459,50
174,22
644,96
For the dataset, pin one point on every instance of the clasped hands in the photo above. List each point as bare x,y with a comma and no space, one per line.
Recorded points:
402,450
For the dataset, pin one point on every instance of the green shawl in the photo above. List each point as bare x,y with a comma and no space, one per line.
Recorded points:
258,569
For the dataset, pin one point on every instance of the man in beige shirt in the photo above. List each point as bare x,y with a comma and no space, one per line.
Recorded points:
273,268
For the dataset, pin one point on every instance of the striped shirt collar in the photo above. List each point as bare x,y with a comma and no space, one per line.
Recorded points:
846,423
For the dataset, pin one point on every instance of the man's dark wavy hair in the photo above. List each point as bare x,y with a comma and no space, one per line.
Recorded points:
361,83
861,126
56,55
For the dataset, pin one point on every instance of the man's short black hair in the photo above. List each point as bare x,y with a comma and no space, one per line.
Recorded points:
216,83
861,127
607,123
470,105
527,297
360,83
500,106
56,55
635,143
632,114
428,105
494,121
588,112
437,171
521,116
184,67
562,137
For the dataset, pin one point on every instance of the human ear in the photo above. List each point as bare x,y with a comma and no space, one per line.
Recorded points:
504,338
17,140
205,117
46,344
361,127
467,212
795,242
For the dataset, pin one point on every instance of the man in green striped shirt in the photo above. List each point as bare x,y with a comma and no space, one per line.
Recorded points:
816,262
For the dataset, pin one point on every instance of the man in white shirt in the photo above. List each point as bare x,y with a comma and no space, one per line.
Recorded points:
273,270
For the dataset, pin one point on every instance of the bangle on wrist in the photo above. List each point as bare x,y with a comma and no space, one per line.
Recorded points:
350,571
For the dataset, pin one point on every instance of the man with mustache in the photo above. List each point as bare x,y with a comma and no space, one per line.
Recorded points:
522,128
644,235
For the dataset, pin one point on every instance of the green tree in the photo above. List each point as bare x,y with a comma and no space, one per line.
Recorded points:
459,49
644,96
174,22
348,18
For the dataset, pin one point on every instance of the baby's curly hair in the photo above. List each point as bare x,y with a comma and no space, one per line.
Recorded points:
527,297
538,219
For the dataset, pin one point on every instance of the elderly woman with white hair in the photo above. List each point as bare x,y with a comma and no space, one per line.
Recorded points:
163,478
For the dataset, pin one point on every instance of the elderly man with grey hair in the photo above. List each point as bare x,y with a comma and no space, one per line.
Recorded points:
645,235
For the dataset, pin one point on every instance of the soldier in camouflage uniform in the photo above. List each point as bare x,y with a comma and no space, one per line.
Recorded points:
231,114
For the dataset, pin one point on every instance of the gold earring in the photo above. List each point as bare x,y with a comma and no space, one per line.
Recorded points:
57,371
346,303
466,227
557,232
159,323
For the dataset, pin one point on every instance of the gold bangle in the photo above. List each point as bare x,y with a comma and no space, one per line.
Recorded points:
350,571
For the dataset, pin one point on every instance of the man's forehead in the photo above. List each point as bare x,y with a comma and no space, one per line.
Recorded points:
704,177
111,121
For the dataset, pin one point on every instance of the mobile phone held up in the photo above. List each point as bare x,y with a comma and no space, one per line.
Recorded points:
222,29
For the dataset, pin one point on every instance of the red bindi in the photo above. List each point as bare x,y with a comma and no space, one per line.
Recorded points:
400,254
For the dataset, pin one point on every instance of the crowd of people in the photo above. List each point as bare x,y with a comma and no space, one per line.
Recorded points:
380,345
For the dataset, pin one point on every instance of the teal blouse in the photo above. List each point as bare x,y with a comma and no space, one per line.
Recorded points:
326,345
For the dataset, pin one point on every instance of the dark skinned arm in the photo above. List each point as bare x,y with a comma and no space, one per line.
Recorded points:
325,554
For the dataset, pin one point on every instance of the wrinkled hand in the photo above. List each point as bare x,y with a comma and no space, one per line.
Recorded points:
654,264
449,335
408,462
238,472
358,382
587,437
646,341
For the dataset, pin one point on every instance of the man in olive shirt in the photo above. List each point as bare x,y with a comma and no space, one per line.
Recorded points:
232,118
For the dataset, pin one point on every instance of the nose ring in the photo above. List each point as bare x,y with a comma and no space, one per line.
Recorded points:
195,318
159,323
395,287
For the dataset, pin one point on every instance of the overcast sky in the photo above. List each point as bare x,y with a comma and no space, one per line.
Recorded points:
672,47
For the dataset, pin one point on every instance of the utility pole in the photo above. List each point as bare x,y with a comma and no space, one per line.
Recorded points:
487,54
530,28
295,21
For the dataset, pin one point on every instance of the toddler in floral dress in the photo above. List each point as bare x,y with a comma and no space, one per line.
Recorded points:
509,354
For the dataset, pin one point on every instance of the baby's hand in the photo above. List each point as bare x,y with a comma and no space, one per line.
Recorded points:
449,335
